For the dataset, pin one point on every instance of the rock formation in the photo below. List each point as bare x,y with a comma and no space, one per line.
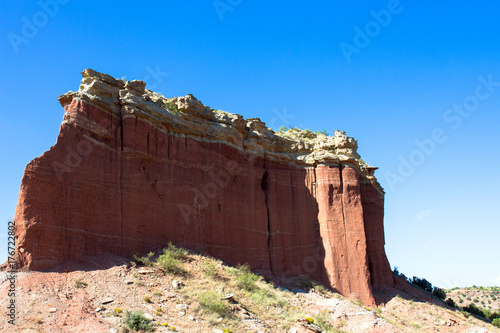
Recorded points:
132,170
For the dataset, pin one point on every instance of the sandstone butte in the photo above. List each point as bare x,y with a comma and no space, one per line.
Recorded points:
132,170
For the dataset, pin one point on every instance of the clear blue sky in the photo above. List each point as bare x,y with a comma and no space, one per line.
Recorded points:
388,73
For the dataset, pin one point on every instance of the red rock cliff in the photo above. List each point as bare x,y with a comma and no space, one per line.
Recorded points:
132,170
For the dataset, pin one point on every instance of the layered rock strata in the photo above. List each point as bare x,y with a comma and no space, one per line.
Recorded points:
132,170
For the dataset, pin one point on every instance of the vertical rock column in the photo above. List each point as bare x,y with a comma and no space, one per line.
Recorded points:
342,231
373,210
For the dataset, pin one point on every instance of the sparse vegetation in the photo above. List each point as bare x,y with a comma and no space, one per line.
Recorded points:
305,133
478,311
171,107
424,284
137,322
212,303
266,298
144,261
79,283
171,259
322,320
362,162
219,296
209,269
324,132
245,278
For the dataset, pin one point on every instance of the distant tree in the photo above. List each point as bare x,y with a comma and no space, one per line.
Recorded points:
474,309
439,293
487,314
450,302
422,283
396,271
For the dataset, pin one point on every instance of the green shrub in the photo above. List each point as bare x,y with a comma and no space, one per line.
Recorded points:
246,279
144,261
147,299
496,322
171,107
450,302
212,303
176,252
319,288
309,134
171,259
136,321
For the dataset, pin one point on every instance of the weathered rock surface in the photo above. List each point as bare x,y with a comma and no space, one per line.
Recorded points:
132,170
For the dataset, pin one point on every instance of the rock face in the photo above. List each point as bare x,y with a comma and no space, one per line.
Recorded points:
132,170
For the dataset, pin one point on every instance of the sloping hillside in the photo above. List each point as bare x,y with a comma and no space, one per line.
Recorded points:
188,292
